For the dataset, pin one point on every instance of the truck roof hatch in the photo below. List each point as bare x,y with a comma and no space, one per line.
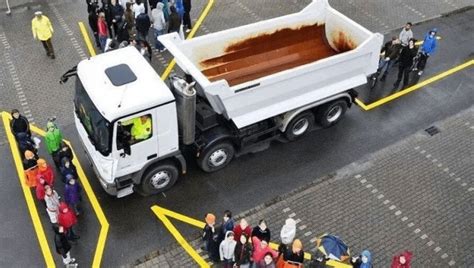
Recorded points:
120,75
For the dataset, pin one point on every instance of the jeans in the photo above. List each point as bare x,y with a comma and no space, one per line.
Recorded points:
384,64
158,44
103,42
422,61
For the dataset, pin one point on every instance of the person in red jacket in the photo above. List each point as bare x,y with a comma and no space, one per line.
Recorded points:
402,261
260,249
102,31
40,191
67,219
45,171
243,227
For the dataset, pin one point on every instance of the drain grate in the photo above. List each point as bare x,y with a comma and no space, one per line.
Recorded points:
432,130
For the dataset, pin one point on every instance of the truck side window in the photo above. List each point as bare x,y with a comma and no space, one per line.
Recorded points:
134,130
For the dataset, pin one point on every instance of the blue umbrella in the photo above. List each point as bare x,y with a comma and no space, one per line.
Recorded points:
333,247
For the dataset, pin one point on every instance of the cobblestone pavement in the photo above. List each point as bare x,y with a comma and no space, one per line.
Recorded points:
414,195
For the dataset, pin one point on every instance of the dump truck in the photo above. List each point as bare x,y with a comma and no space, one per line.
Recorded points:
234,91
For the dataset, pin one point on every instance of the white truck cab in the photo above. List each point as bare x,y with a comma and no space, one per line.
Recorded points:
111,90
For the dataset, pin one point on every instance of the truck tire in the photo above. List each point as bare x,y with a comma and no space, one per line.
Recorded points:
159,178
331,113
299,126
216,157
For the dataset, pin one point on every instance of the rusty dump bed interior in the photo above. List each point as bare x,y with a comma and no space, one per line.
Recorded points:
266,54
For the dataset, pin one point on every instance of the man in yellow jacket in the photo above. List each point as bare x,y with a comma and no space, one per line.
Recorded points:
141,128
43,31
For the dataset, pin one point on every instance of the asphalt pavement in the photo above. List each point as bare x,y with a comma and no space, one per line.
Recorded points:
29,81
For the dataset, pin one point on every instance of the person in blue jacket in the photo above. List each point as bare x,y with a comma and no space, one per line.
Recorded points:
427,49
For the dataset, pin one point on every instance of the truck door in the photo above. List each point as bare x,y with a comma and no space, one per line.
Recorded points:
139,132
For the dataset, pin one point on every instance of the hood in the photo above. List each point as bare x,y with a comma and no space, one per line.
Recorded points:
288,231
367,254
228,233
62,206
42,165
50,125
408,255
160,5
64,160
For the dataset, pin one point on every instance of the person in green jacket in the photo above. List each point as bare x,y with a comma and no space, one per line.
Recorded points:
53,139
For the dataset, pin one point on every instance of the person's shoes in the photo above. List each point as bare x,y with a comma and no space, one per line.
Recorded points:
383,78
163,50
420,72
73,260
76,237
52,56
404,86
415,69
188,30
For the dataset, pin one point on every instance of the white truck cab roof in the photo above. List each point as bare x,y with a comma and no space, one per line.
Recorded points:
121,82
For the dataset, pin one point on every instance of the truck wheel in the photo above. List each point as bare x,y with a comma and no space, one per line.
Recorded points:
216,157
159,178
299,126
331,113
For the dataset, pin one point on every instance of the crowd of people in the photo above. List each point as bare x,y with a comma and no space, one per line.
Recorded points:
119,23
239,245
41,176
402,49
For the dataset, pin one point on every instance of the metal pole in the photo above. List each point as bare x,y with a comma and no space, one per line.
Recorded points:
8,7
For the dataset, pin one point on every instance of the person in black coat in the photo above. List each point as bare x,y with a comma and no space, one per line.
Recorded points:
243,251
143,24
210,236
117,12
174,21
62,245
405,63
93,17
261,231
186,16
19,124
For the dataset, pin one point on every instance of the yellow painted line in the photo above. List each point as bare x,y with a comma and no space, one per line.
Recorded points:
39,230
87,39
198,23
163,214
419,85
99,251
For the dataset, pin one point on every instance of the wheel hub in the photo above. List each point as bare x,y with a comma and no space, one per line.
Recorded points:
218,158
160,179
300,127
334,114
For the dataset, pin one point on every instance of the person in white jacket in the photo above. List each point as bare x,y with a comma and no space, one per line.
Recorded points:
226,250
159,24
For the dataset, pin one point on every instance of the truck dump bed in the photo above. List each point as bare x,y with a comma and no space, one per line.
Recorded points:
260,70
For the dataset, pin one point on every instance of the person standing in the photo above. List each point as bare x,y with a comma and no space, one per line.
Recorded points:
102,31
159,24
260,249
63,247
65,152
226,225
53,140
391,50
117,12
143,24
210,237
261,231
19,124
51,198
67,219
227,249
130,19
174,22
30,165
72,195
405,64
243,252
67,169
153,4
40,189
187,16
43,31
138,8
406,34
427,49
93,17
242,228
295,255
362,261
45,171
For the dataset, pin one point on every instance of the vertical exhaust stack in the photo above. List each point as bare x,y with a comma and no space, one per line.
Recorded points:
185,95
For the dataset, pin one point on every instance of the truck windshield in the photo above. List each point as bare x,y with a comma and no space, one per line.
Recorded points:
96,126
